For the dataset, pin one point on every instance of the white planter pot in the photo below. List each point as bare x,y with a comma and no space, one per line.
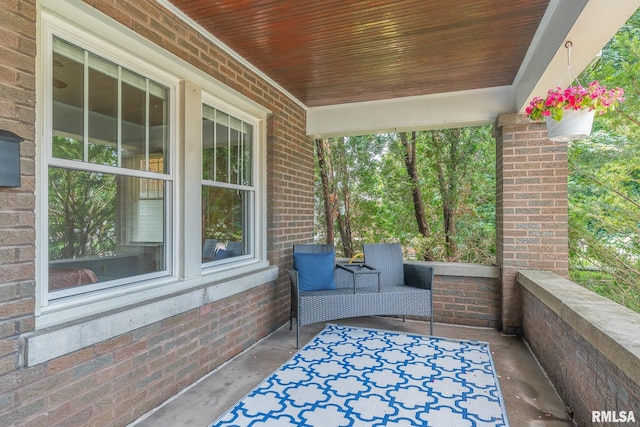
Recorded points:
575,124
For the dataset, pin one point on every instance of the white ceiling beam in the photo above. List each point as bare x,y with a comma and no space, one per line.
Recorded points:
446,110
542,58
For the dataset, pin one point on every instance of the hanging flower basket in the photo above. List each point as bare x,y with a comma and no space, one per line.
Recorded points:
569,112
575,124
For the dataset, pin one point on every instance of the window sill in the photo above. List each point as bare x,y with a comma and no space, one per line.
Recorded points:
55,341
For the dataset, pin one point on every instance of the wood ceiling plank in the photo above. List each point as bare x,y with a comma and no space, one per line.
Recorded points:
330,51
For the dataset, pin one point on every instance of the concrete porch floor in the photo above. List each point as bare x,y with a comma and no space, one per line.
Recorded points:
530,399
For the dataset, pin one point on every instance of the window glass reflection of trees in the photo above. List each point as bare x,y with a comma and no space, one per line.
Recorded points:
227,195
108,223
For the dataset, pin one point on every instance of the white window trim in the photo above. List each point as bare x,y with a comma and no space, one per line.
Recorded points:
257,146
53,26
85,166
81,24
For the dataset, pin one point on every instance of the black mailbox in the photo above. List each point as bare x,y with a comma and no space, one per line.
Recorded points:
9,159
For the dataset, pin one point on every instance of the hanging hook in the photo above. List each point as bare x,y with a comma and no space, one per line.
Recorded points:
568,45
569,73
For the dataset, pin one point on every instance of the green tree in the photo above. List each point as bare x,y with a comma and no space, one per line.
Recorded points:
383,193
459,159
409,143
352,191
82,205
604,182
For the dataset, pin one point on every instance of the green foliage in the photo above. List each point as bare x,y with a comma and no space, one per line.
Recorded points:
604,181
608,286
222,214
381,205
222,208
460,165
82,205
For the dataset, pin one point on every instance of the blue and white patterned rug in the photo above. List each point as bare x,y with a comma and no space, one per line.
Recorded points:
349,376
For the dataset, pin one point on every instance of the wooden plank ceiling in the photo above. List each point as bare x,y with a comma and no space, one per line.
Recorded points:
329,52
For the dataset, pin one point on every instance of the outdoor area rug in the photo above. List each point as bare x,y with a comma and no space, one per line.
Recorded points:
348,376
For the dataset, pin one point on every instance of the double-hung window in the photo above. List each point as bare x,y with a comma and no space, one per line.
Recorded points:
228,192
109,167
144,164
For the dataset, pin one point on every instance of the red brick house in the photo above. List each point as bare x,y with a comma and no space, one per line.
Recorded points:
165,176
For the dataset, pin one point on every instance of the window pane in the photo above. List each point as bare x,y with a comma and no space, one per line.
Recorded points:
247,149
226,148
134,101
145,122
226,214
235,142
103,111
68,101
208,143
222,147
103,227
159,125
123,114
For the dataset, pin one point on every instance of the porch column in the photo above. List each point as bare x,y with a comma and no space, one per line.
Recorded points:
531,207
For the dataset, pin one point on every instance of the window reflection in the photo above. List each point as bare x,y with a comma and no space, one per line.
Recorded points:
105,224
101,225
227,195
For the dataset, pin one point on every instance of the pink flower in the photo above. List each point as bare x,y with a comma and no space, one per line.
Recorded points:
594,97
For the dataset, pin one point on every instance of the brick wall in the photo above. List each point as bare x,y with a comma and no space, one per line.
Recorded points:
531,207
468,301
17,219
115,381
585,379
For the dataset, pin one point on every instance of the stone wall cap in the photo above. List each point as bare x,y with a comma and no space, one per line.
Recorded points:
610,327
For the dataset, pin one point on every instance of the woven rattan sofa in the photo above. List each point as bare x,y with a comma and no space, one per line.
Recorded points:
383,285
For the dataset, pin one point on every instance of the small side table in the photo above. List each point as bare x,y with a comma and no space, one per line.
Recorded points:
358,268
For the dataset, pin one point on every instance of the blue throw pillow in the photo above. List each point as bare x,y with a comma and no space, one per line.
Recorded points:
222,254
315,270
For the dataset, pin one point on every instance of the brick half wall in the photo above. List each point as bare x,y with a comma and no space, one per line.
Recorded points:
466,294
588,345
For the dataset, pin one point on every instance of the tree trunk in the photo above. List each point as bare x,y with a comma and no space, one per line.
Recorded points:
334,178
344,203
418,205
448,216
450,163
323,151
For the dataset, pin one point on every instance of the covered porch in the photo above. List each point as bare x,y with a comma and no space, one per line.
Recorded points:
529,397
111,354
577,356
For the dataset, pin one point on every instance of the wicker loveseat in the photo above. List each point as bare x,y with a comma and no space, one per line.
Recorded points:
383,285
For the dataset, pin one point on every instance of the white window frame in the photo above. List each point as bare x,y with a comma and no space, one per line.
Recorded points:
56,27
81,24
253,225
168,178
